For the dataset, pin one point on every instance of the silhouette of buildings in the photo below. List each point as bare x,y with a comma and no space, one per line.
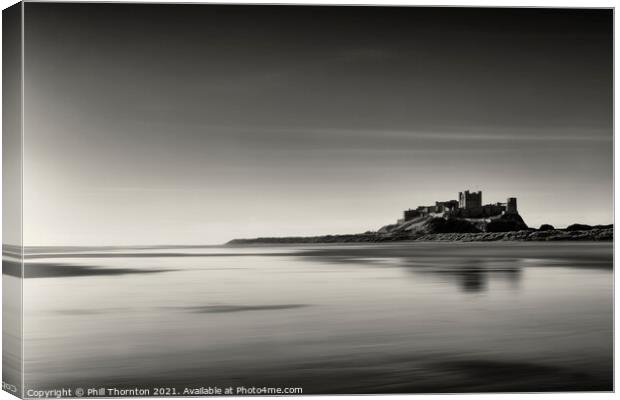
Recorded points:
469,205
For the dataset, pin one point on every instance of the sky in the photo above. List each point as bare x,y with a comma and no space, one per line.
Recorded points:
197,124
11,126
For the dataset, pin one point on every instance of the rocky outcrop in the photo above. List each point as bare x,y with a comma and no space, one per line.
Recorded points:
582,227
442,225
597,234
506,223
446,224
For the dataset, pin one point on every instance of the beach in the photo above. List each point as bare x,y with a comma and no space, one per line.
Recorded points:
372,318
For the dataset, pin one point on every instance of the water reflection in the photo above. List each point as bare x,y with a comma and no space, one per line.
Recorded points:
471,276
472,280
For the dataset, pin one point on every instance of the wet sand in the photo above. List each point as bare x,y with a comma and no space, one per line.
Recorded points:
378,318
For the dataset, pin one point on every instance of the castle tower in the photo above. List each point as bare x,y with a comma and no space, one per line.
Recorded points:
511,205
470,200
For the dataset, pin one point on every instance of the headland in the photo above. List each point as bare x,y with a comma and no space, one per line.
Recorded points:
464,220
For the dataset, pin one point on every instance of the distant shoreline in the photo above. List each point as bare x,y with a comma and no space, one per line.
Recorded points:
595,234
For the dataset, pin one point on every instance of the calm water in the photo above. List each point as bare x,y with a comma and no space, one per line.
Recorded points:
440,317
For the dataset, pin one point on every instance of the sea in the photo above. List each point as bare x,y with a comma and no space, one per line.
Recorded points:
404,317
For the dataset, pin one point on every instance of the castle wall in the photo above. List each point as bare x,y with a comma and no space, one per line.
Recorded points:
491,210
410,214
443,206
488,210
469,205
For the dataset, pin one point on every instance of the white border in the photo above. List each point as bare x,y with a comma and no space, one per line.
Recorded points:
488,3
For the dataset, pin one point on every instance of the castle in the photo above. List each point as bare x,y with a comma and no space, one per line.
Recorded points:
469,205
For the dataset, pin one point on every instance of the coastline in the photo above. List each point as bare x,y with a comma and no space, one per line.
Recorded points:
594,234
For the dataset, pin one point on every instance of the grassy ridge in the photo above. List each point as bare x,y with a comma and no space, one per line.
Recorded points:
603,233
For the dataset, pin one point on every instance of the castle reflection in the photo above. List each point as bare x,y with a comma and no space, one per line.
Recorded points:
472,275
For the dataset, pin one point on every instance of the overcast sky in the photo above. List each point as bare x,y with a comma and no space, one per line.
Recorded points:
196,124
